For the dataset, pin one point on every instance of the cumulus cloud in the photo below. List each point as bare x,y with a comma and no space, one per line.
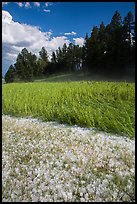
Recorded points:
27,5
37,4
5,3
46,10
55,42
72,33
20,4
48,4
6,17
16,36
79,41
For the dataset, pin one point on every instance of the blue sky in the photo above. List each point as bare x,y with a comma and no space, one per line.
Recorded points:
51,24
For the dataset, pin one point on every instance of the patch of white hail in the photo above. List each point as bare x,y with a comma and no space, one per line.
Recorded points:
48,162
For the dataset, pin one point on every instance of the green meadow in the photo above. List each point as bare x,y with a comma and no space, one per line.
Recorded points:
105,106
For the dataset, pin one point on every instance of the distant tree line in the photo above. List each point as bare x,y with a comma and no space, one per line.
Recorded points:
109,49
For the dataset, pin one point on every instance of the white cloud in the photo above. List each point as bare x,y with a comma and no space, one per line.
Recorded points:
79,41
55,42
27,5
6,17
46,10
48,4
20,4
5,3
16,36
37,4
72,33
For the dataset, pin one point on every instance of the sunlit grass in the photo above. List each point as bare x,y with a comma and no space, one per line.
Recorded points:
107,106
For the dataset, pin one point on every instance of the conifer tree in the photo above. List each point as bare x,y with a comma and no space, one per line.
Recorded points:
10,74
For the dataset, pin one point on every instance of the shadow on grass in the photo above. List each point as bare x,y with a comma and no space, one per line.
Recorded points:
80,76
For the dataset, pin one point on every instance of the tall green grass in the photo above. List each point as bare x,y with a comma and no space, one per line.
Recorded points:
107,106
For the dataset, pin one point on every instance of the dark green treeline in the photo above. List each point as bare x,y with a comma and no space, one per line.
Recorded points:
108,50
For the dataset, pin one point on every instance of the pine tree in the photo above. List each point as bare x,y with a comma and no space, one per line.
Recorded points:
31,65
43,60
128,25
19,66
114,44
24,65
59,55
77,57
116,21
52,66
53,59
64,56
85,50
93,51
43,54
70,57
10,74
129,40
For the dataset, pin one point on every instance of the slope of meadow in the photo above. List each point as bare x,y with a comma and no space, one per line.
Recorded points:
47,161
107,106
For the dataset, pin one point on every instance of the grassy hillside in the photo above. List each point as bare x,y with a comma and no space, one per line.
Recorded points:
82,76
52,162
107,106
